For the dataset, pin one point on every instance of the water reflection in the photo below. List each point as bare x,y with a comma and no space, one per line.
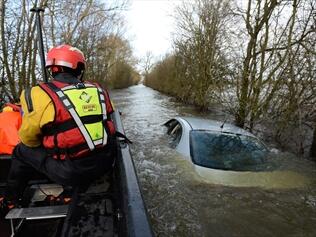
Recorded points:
181,204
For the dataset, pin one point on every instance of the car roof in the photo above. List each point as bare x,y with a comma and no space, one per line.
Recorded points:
213,125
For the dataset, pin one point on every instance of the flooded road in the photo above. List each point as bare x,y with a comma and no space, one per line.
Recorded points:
180,204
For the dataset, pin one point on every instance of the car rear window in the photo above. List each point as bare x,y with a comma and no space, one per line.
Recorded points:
227,151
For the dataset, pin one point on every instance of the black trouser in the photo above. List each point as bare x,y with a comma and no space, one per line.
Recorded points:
27,162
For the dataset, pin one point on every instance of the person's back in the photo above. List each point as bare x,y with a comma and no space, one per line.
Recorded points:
10,122
66,132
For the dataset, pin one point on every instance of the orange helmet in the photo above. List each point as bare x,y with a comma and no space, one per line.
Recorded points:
66,56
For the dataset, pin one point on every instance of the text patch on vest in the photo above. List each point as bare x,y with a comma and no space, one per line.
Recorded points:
89,108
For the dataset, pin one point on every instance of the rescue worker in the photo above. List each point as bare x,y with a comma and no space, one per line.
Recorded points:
66,133
10,122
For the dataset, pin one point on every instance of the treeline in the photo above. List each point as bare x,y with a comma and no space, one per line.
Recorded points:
94,26
257,61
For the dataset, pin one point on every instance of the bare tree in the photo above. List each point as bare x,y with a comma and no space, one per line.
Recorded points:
18,48
268,56
85,24
147,63
200,62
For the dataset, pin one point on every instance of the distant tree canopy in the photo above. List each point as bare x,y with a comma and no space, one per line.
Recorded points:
258,61
92,26
163,77
123,74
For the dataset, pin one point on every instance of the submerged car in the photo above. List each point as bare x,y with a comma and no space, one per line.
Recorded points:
225,154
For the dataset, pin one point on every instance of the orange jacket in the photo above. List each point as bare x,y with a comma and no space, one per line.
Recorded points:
10,122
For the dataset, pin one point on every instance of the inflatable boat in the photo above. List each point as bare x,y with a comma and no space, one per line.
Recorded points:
111,206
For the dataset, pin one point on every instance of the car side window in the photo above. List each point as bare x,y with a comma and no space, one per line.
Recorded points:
174,132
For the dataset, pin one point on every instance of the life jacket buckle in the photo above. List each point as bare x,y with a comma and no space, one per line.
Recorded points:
80,85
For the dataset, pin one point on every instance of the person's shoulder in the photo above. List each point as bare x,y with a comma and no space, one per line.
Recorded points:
40,95
37,90
35,97
33,89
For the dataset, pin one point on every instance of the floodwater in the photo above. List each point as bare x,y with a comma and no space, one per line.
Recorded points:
181,204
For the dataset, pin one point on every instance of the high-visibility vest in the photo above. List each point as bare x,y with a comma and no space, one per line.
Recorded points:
10,122
80,123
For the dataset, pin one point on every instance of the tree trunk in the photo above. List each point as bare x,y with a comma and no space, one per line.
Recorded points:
313,147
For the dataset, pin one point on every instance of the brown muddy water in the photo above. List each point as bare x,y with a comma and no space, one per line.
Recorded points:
181,204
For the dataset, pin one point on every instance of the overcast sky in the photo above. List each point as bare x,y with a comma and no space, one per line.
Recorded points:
149,26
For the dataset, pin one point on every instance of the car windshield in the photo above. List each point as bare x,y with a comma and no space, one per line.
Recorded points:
227,151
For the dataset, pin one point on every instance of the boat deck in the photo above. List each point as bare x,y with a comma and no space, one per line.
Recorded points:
93,212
